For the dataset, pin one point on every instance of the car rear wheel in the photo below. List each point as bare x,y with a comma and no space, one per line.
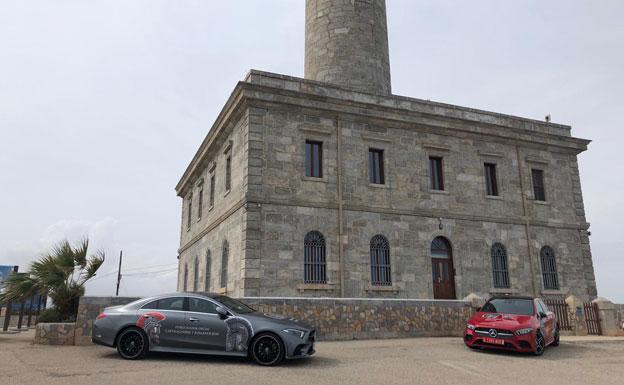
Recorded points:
539,344
267,349
132,344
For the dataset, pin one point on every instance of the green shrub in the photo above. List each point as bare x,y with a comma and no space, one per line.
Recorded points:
53,315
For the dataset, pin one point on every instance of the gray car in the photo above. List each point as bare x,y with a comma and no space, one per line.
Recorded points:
201,323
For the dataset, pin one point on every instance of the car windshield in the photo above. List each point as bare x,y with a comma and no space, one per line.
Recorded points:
516,306
233,304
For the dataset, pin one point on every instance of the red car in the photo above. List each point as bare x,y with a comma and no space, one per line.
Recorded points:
522,324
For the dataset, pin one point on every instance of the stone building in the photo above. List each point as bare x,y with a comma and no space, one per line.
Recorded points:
331,186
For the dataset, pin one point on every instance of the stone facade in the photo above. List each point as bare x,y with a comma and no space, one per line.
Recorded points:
272,205
278,205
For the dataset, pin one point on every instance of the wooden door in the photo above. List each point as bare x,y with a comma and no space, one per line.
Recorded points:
443,278
442,270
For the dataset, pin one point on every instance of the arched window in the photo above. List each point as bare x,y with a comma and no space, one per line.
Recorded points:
196,274
207,276
549,268
440,248
314,258
500,271
380,261
224,263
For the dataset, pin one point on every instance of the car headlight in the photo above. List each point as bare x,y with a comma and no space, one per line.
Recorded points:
470,326
296,332
521,332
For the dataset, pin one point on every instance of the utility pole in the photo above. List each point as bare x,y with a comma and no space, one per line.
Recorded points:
119,273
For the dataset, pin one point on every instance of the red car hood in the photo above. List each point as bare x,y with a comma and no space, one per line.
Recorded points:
500,321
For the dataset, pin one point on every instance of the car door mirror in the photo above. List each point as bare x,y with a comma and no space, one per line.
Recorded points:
223,313
542,315
479,309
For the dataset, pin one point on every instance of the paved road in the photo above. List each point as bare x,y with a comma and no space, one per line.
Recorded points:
406,361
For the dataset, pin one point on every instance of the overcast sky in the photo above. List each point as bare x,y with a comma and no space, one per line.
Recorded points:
104,103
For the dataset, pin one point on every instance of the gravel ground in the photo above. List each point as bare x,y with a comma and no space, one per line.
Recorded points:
403,361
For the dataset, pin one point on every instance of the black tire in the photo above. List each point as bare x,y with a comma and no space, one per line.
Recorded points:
267,349
132,344
557,337
540,344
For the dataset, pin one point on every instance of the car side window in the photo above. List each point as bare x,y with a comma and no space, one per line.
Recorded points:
152,305
546,309
171,303
202,306
538,305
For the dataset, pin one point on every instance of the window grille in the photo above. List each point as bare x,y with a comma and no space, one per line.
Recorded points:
314,258
224,264
500,271
549,268
380,261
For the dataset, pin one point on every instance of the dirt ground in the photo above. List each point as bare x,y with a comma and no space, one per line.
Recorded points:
578,360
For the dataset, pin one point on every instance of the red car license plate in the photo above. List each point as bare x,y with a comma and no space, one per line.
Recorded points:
495,341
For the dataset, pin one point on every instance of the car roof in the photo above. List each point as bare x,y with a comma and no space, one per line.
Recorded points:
511,297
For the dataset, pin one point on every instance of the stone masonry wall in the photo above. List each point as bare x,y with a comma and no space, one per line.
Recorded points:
345,319
203,240
88,309
346,43
406,211
62,333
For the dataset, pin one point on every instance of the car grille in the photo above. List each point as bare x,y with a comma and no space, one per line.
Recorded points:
312,336
500,333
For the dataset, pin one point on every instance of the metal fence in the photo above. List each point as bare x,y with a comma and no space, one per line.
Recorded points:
592,318
561,310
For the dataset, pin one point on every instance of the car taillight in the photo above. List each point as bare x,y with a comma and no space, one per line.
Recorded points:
101,316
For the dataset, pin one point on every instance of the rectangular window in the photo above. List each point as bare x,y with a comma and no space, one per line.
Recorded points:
539,193
189,215
375,166
491,184
212,189
314,159
228,173
200,203
436,175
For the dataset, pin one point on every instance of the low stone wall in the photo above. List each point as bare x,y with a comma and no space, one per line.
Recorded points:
88,309
362,318
61,333
334,318
340,318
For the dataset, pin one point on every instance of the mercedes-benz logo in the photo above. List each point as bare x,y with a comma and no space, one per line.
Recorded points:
492,333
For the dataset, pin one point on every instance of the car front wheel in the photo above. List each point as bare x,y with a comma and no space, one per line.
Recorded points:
132,344
540,343
267,349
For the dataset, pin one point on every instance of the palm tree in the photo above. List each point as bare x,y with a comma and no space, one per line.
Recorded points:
60,275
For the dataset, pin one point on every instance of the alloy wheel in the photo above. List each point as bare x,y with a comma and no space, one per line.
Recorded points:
539,344
267,350
131,344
